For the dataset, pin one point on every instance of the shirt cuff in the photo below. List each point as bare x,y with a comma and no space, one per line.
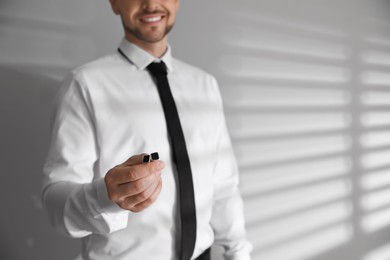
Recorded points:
89,210
115,217
105,204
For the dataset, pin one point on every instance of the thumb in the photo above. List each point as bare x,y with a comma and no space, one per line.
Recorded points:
135,159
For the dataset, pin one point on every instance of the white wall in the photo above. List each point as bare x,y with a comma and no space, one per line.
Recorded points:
306,90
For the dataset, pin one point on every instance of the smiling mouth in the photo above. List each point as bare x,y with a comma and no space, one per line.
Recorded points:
152,19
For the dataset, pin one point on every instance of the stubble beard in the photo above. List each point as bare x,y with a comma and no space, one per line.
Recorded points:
149,37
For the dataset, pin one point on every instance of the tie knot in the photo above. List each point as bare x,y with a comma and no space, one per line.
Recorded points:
157,68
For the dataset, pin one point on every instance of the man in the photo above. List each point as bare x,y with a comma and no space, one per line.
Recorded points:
99,184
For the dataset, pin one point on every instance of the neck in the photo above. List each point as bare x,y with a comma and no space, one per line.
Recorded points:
157,49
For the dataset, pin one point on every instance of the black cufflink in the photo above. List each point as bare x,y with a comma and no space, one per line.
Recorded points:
155,156
146,158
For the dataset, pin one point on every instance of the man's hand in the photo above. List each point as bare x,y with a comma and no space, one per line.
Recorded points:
134,185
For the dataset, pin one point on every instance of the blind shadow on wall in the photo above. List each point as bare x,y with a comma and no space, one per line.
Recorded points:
306,90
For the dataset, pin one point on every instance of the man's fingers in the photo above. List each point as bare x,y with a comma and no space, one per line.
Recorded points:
122,173
135,159
152,198
134,182
146,195
135,187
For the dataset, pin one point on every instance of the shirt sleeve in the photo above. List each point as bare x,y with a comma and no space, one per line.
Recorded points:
228,214
76,201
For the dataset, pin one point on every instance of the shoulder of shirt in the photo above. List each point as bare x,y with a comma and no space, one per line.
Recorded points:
98,65
183,67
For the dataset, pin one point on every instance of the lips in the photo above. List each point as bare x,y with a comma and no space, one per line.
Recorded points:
151,19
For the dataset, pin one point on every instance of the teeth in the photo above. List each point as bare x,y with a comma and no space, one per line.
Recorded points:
152,19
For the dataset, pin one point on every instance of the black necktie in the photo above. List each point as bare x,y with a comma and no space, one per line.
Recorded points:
180,157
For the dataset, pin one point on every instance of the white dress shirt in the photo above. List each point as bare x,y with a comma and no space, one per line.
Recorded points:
109,110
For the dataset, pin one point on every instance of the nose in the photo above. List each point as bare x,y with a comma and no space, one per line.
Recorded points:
150,5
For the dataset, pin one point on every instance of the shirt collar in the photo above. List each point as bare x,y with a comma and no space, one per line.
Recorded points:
141,58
